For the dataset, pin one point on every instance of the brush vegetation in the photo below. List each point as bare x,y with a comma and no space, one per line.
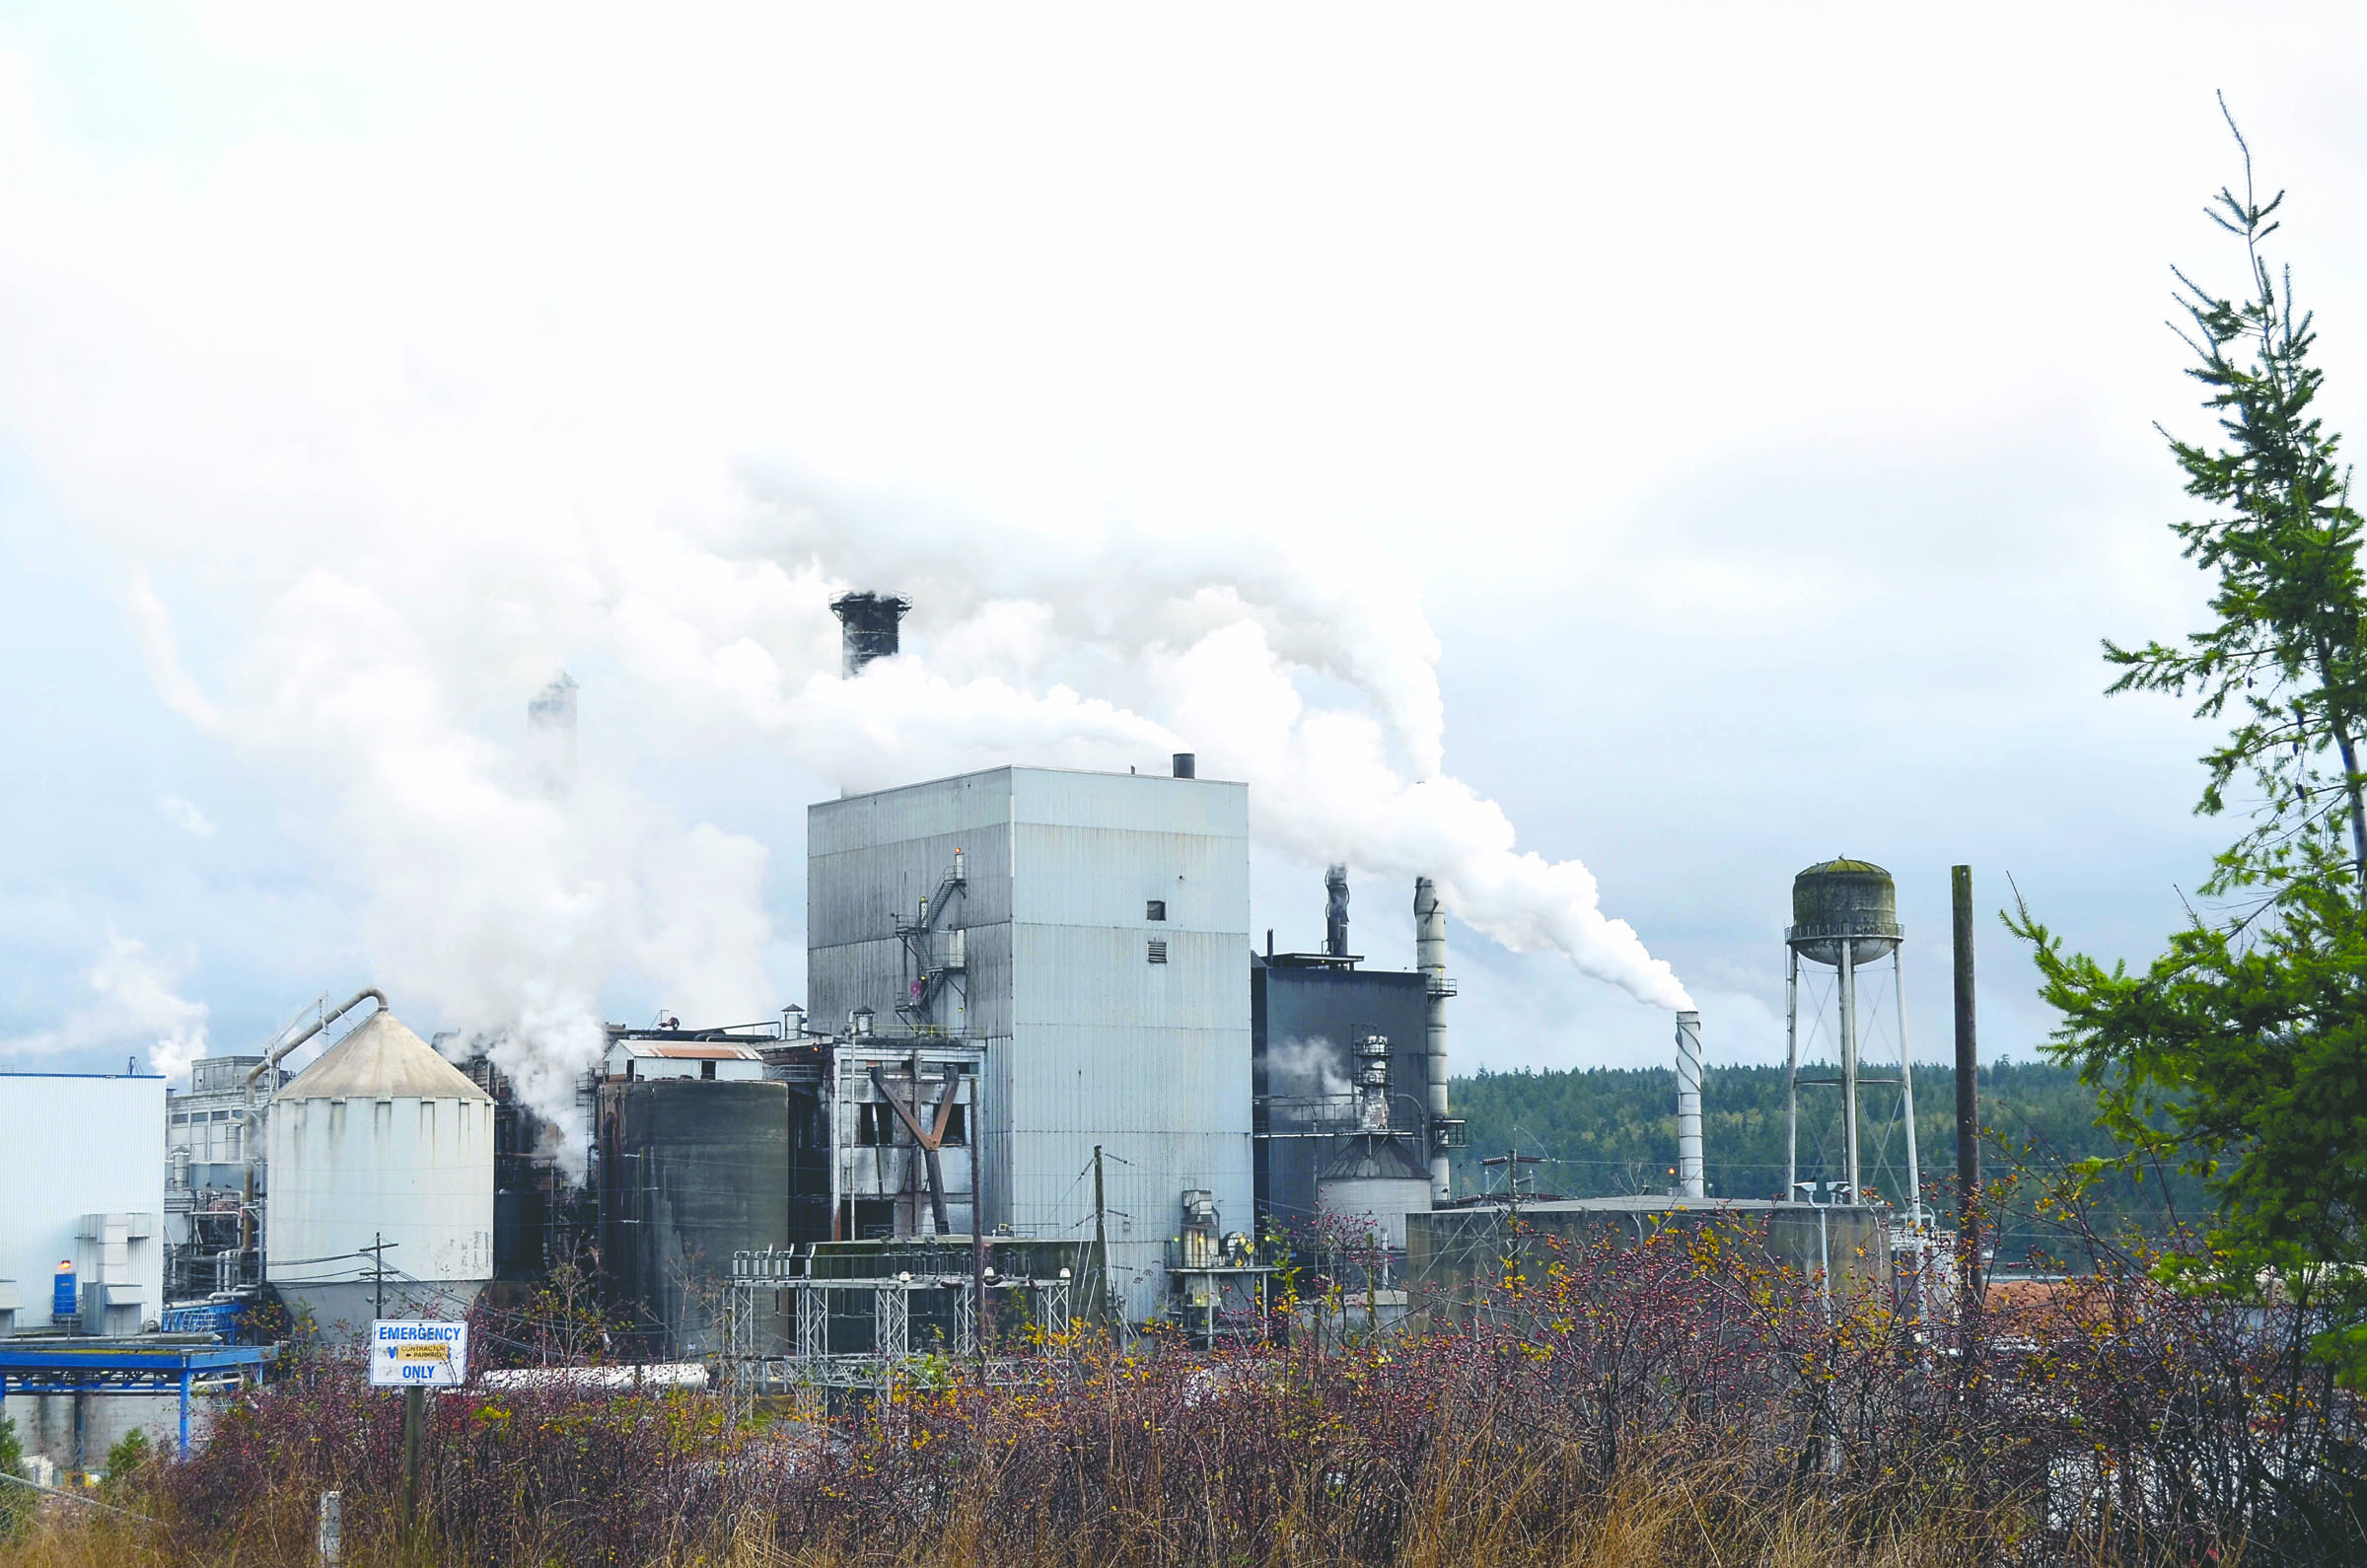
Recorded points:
1674,1401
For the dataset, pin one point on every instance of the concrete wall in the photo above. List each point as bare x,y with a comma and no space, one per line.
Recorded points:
45,1424
72,1146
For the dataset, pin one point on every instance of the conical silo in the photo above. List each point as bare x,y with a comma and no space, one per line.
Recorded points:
379,1140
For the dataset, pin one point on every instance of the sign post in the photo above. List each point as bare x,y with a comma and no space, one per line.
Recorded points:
417,1356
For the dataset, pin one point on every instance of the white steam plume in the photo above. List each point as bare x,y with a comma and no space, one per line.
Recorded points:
136,1005
1306,1066
386,481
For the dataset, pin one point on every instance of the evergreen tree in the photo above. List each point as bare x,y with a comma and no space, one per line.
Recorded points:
2241,1052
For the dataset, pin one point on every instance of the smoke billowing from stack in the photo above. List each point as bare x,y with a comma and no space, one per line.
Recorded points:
1689,1182
1336,911
872,623
1430,957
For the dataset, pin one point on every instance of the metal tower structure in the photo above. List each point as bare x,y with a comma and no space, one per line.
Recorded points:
1845,917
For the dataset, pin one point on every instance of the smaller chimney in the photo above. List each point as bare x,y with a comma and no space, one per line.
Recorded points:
1188,765
871,622
1688,1105
1336,911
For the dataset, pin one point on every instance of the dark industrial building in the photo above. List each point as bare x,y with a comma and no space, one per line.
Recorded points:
1341,1067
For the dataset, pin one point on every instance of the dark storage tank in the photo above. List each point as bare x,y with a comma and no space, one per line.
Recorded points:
1845,899
691,1171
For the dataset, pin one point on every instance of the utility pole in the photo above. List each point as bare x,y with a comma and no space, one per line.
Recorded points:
1968,1095
982,1320
377,1266
415,1439
1101,1242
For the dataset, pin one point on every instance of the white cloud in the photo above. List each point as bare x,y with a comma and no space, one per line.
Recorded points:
185,816
1191,389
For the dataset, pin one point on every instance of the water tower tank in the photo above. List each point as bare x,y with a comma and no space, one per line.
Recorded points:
1837,899
379,1139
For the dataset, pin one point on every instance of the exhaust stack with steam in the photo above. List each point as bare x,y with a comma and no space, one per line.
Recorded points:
871,622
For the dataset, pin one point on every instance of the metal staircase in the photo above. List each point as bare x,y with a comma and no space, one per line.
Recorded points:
934,957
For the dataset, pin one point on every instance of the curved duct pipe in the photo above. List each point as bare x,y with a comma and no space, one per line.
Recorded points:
272,1059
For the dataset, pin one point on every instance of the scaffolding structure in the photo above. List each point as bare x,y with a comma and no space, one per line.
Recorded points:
877,1313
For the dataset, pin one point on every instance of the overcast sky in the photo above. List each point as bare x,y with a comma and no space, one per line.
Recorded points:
1747,417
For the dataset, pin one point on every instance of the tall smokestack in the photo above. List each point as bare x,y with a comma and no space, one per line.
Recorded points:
1336,911
871,622
1688,1105
1430,957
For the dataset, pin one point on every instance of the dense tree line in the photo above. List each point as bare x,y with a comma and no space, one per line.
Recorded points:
1600,1132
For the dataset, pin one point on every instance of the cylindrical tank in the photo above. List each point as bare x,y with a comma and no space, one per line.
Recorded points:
692,1171
1375,1179
380,1141
1837,899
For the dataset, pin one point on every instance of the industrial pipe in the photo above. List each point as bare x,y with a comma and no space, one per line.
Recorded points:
272,1059
1430,958
1689,1182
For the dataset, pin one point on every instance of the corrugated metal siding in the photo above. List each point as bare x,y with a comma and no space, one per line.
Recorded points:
71,1146
1133,802
1094,1043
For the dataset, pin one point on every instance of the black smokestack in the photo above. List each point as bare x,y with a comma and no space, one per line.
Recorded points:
1336,911
1186,765
871,622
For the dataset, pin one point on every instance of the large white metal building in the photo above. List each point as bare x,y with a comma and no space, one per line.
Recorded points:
1091,930
79,1165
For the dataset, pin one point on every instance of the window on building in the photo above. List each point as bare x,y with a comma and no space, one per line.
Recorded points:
1158,953
707,1070
956,1128
875,1124
1155,909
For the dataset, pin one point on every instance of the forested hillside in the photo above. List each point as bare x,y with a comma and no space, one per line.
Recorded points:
1605,1131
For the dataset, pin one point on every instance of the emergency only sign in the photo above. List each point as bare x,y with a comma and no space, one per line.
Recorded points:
419,1355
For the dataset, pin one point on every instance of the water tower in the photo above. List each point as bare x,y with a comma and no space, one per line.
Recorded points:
1845,917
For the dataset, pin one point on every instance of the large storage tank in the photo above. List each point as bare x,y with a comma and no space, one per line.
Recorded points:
691,1171
381,1139
1836,898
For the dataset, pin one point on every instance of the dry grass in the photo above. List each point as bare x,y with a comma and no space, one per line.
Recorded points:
1622,1408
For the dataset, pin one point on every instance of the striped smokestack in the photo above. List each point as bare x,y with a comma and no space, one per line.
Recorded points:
1688,1105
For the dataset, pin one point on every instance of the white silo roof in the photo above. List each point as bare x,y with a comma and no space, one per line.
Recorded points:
381,1059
